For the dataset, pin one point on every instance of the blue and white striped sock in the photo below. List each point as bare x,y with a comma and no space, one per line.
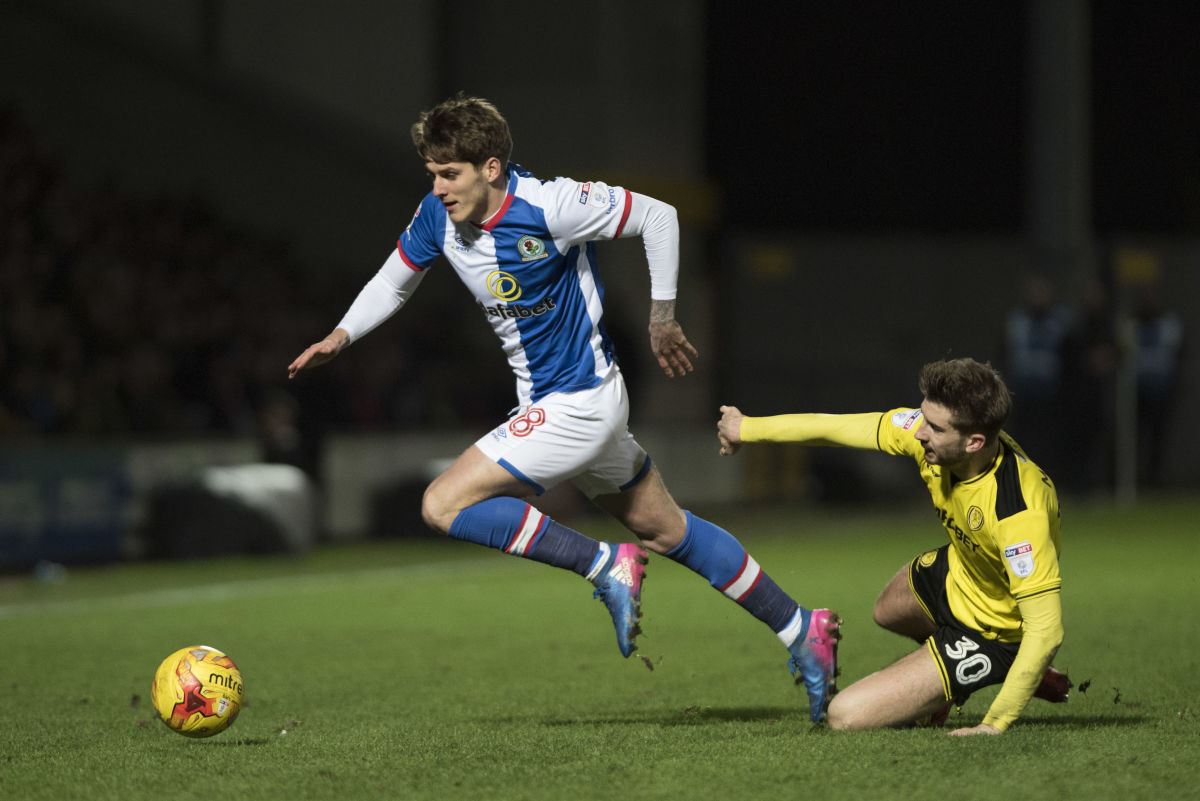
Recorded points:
716,554
514,527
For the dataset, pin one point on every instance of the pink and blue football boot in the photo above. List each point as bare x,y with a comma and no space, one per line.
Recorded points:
621,591
814,659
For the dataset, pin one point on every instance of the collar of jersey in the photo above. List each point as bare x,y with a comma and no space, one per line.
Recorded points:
494,220
991,468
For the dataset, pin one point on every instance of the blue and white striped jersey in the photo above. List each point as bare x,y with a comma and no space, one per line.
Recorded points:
532,270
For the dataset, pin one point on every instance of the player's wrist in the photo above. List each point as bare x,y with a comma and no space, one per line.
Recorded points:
338,339
662,312
997,723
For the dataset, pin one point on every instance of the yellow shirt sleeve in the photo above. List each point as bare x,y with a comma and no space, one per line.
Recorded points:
848,430
1042,633
1031,557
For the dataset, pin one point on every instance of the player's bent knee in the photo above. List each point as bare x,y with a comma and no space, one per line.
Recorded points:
882,618
659,531
845,714
835,716
435,511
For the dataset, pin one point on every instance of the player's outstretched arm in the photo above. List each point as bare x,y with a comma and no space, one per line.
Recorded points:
670,346
319,352
729,430
379,299
1043,633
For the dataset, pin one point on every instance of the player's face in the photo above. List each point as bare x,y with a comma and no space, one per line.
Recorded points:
463,189
944,444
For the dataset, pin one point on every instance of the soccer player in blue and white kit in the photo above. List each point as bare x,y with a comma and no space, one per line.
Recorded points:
525,249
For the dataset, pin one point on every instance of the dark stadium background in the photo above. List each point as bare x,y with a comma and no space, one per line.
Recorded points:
194,190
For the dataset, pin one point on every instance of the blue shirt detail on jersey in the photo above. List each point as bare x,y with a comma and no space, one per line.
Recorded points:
532,269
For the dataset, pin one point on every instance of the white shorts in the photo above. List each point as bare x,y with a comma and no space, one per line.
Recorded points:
582,436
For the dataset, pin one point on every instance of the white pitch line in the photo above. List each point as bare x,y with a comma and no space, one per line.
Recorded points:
229,590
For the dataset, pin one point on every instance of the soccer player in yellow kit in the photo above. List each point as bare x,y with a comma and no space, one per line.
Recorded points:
986,605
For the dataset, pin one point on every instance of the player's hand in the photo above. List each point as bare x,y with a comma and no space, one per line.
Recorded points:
729,430
982,728
671,348
320,352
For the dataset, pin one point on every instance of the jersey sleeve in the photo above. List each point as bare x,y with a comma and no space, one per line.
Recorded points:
657,223
846,430
592,210
897,433
582,211
1030,555
1041,623
421,242
381,297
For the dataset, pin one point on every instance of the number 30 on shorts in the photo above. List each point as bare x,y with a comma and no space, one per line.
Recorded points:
523,425
968,669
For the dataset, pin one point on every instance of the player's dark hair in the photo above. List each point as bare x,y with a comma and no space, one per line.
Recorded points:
973,392
463,128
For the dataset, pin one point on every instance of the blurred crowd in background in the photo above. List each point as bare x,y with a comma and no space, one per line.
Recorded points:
1065,365
130,316
123,315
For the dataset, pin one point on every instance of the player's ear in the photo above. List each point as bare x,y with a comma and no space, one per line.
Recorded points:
975,443
492,169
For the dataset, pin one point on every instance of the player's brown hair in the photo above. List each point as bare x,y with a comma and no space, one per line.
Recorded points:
463,128
973,392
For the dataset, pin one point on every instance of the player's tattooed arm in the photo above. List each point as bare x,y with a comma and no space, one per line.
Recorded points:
662,311
670,346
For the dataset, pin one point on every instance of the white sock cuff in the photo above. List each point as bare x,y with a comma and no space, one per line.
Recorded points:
791,631
600,562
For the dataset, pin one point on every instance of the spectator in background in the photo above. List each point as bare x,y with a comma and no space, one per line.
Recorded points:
1159,351
1090,366
1035,342
122,314
284,435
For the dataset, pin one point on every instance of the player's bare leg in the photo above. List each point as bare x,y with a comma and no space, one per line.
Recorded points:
906,690
477,500
897,610
471,478
648,510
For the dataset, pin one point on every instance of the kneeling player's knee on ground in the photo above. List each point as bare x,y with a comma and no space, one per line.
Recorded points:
834,715
842,715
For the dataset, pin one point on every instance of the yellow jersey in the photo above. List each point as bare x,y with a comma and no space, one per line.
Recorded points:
1003,524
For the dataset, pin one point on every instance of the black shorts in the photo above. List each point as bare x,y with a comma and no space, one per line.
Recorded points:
967,660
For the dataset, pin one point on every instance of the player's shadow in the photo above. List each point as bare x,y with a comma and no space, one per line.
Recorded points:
1090,721
704,716
691,716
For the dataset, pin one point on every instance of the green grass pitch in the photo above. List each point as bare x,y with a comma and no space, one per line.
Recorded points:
439,670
